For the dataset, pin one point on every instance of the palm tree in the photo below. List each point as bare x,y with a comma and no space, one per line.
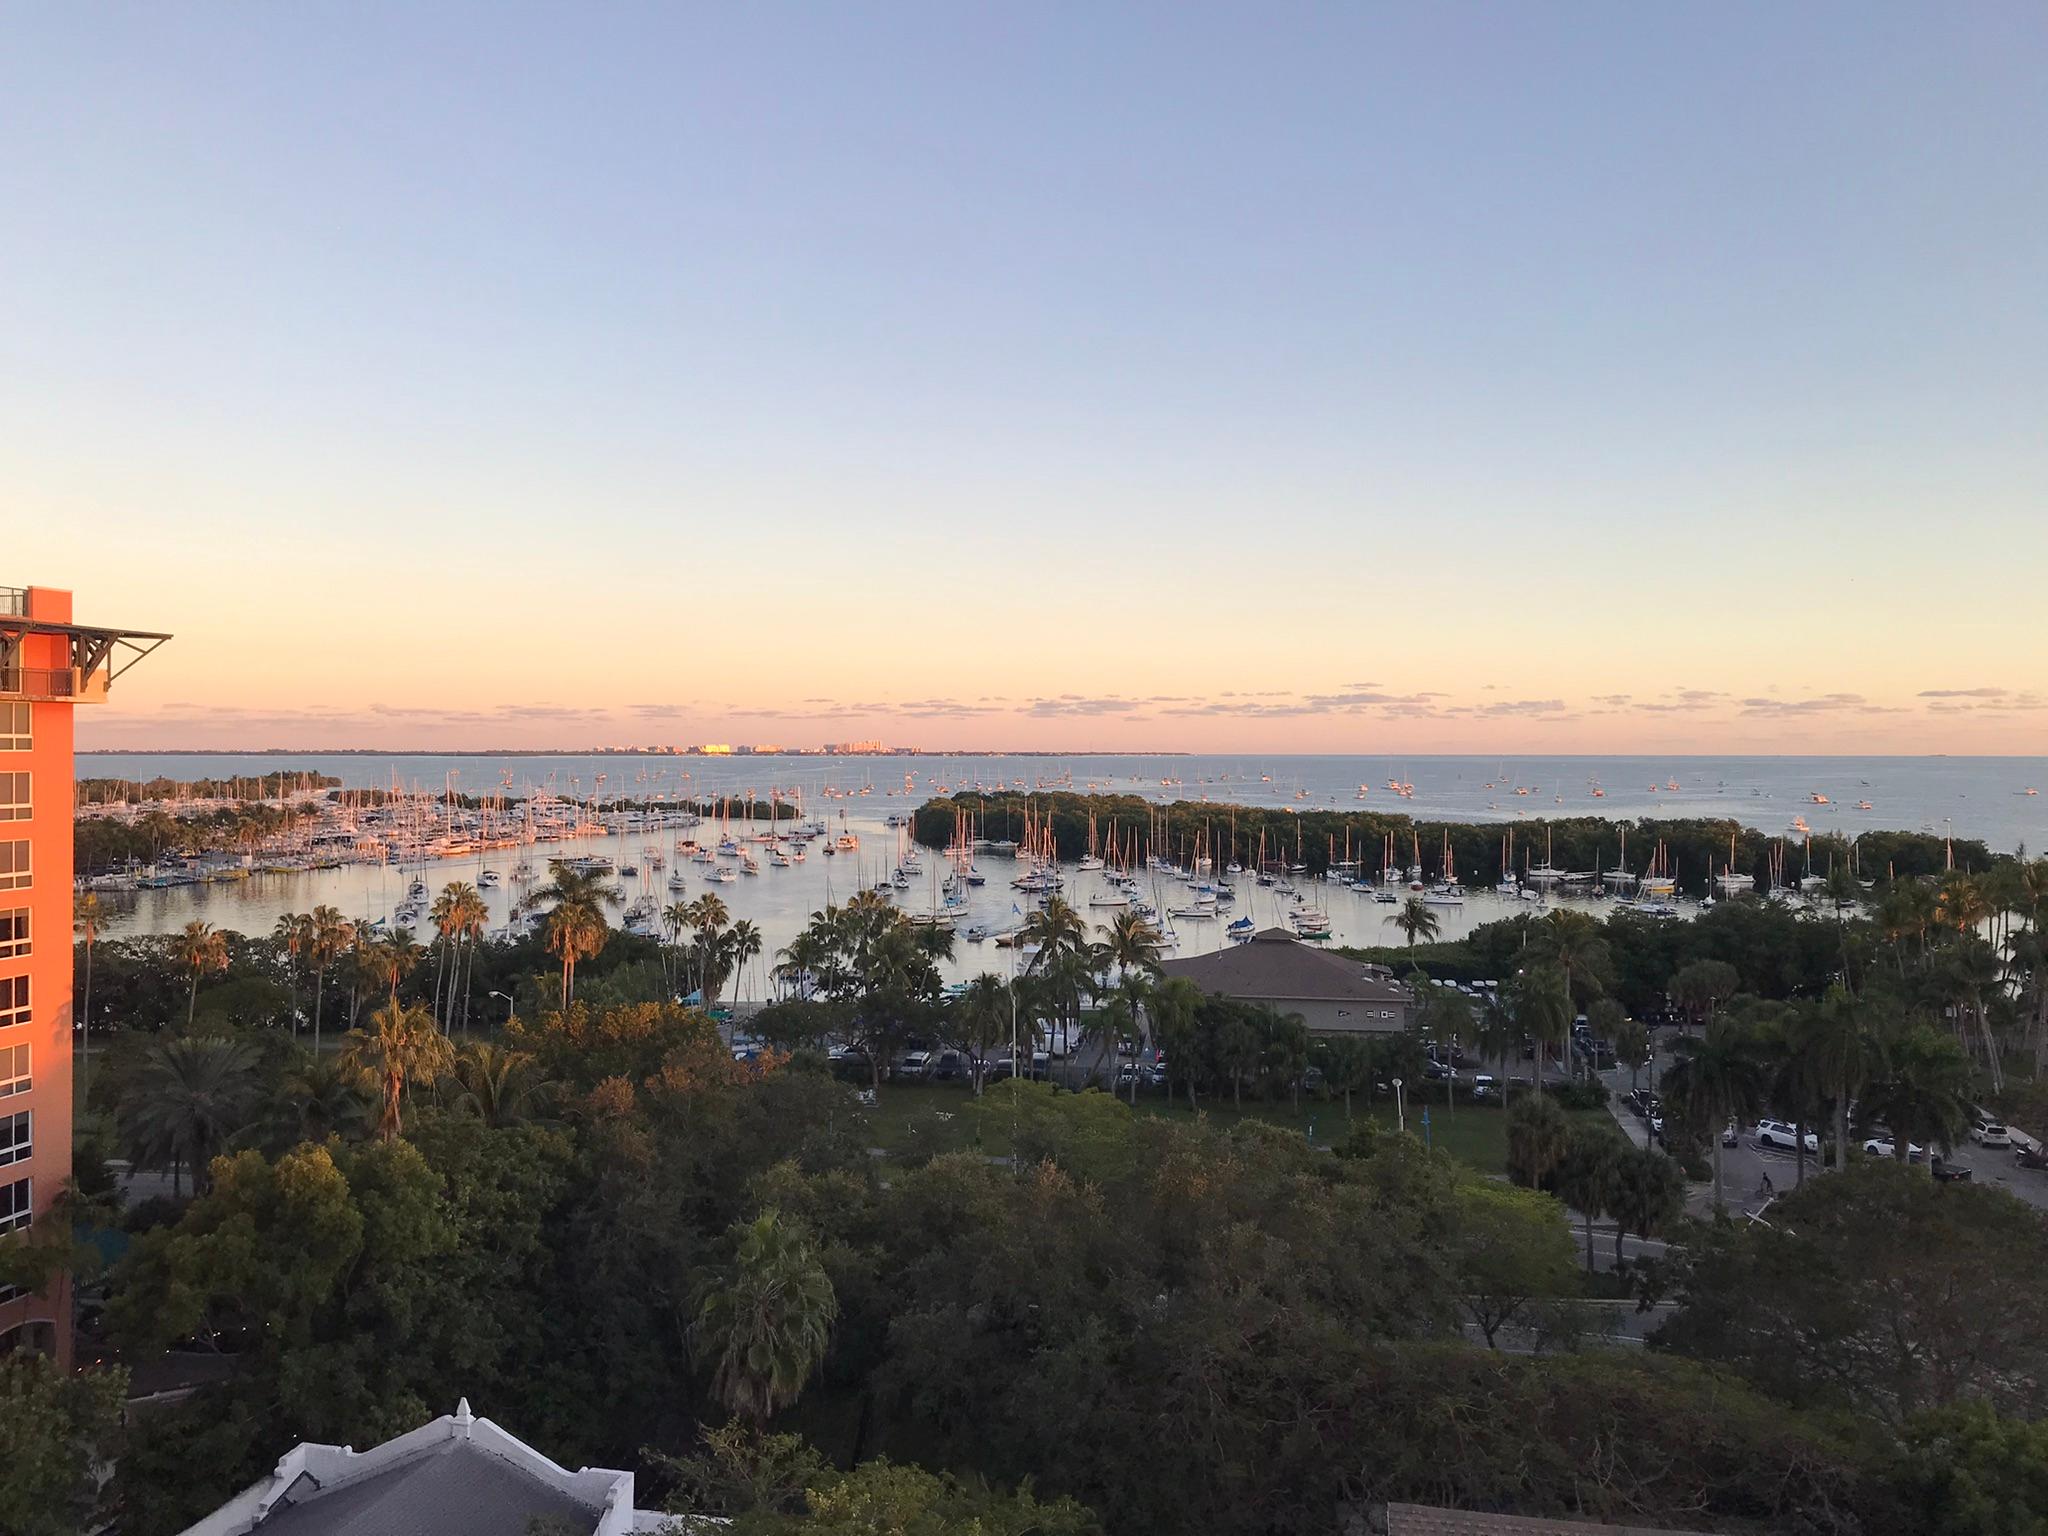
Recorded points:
400,1046
1572,942
1498,1037
332,937
199,949
1132,997
1717,1078
442,915
1057,929
87,916
1347,1064
568,887
291,934
1631,1040
1648,1197
1446,1018
1843,1054
1544,1010
319,1098
575,933
1416,921
1921,1092
707,914
1589,1179
764,1322
1968,971
1795,1081
500,1087
743,943
186,1098
981,1013
1133,943
472,916
1538,1137
390,959
1175,1005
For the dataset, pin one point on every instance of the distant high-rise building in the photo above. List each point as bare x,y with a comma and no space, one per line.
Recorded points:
48,664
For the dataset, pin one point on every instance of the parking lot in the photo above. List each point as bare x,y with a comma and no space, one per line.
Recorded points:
1745,1165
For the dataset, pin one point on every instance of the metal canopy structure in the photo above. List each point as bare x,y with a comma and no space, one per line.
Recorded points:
92,647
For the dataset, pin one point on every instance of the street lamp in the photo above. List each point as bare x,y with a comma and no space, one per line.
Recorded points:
1400,1110
511,1007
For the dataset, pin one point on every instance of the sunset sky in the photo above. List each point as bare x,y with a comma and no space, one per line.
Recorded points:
1574,377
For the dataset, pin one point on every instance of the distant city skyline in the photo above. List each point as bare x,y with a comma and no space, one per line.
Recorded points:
1449,378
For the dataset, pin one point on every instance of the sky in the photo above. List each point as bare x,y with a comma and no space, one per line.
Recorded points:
1496,378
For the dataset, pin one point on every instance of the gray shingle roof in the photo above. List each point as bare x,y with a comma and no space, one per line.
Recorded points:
455,1488
1279,966
1423,1520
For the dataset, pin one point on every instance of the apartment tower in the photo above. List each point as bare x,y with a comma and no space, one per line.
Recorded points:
48,666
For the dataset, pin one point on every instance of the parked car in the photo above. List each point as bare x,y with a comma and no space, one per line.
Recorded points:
913,1066
1883,1146
850,1063
1991,1134
1484,1088
1946,1172
1784,1136
951,1067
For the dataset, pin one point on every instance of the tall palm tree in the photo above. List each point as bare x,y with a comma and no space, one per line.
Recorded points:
401,1046
332,937
1967,973
200,948
1717,1078
319,1097
1347,1064
87,917
1416,921
1133,943
1543,1008
1057,929
442,915
1498,1037
391,958
500,1087
1538,1138
472,917
1844,1054
1589,1179
763,1323
575,933
707,914
743,944
187,1097
981,1015
1649,1195
1175,1005
1921,1092
291,935
1572,942
1447,1019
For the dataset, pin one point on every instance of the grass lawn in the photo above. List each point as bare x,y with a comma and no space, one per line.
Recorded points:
927,1118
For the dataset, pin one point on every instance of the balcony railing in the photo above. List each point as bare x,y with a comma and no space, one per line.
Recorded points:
13,602
46,684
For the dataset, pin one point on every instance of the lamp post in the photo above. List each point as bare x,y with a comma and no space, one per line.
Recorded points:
1400,1110
511,1008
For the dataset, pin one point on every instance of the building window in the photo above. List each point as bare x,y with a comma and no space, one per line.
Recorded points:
14,864
13,1000
14,1205
17,734
13,932
17,1137
14,1077
14,796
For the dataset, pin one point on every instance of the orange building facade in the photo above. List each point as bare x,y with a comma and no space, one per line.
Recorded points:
48,667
